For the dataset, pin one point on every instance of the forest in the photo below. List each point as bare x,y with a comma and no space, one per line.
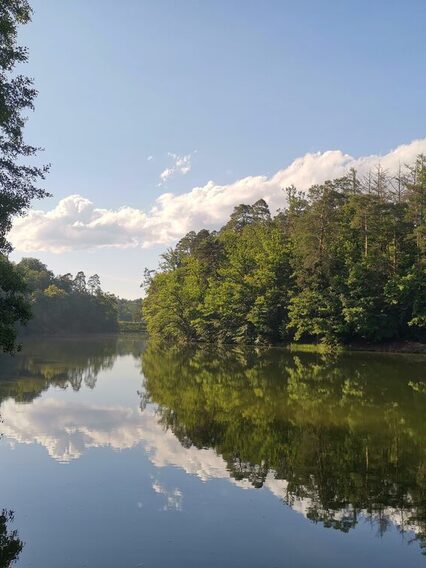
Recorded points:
342,262
70,304
65,303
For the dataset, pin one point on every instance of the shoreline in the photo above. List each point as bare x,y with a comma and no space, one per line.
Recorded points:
400,346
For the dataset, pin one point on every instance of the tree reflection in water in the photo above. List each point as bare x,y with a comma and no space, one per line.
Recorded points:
344,438
10,543
338,439
65,363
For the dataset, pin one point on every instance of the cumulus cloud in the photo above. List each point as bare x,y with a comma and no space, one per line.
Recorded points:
180,165
77,224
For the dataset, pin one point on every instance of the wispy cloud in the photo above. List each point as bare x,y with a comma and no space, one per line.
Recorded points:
77,224
180,165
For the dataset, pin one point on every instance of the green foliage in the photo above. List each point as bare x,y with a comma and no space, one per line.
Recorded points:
19,177
14,307
131,326
346,261
129,310
63,304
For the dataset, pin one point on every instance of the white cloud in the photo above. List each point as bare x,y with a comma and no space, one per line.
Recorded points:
180,165
77,224
149,158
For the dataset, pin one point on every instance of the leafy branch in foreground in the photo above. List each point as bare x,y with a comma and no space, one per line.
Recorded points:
19,176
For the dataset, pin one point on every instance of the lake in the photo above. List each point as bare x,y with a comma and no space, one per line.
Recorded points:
116,452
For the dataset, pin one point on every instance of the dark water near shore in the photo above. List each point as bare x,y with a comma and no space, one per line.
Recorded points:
120,454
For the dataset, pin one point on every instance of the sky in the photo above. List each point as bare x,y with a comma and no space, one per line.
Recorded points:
159,116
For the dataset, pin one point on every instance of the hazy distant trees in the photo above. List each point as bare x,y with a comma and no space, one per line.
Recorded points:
66,304
344,261
19,177
129,310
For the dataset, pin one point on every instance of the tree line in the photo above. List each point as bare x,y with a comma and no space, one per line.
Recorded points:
65,303
344,261
70,304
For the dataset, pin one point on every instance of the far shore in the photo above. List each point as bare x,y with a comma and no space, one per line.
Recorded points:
400,346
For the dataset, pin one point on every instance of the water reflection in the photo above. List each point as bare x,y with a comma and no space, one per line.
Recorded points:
10,544
65,429
64,363
339,440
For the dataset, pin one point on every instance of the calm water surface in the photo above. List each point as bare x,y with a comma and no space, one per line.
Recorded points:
119,454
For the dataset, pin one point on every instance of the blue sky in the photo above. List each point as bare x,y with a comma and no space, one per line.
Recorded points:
230,88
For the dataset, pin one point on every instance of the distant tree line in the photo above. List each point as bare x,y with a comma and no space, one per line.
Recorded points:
344,261
66,303
70,304
130,318
129,310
